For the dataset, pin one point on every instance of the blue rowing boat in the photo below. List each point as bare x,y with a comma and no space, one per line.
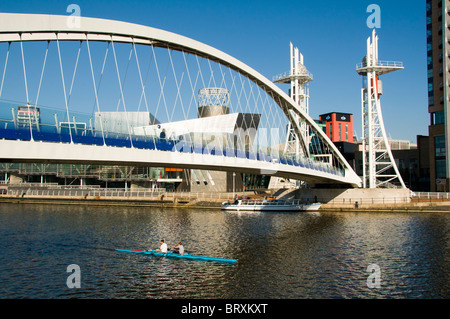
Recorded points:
178,256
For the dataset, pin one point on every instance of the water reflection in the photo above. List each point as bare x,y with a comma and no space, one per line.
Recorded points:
291,255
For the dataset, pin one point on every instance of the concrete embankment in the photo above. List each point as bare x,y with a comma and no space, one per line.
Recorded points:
334,200
414,207
369,200
113,201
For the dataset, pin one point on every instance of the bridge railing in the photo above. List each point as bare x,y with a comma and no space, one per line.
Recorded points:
80,192
151,194
48,133
395,64
54,125
363,200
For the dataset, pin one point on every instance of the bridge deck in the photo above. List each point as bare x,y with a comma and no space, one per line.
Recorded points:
206,156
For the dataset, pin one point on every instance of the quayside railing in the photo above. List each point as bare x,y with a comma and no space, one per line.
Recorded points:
116,193
430,196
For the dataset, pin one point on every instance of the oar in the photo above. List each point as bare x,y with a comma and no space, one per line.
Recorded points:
162,254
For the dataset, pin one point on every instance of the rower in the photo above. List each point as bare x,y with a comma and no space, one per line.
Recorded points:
178,249
163,247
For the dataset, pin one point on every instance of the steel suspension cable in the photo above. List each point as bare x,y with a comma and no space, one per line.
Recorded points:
193,86
140,79
121,92
74,72
24,71
211,77
125,76
201,73
4,69
95,88
143,88
101,74
64,88
26,88
161,94
178,88
40,81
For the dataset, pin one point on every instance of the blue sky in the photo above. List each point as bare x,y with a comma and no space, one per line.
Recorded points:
330,34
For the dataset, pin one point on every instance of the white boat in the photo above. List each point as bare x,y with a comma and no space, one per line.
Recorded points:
270,205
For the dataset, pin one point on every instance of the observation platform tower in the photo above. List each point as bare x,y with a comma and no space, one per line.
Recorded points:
379,168
298,77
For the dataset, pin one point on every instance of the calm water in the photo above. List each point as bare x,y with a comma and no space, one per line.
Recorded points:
302,255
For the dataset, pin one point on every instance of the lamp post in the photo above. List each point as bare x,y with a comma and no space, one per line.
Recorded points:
243,187
234,177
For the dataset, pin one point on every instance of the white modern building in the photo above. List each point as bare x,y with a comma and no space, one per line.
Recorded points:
122,122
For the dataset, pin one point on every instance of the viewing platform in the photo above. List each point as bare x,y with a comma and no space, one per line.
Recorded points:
302,75
380,67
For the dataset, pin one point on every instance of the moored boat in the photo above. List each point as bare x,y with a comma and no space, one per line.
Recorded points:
178,256
270,205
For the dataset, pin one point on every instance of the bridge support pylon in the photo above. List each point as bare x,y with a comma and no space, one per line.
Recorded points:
379,167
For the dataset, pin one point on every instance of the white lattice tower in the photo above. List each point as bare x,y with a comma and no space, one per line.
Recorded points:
379,168
298,77
213,97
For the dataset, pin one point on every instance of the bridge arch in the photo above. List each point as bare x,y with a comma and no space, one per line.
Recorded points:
37,27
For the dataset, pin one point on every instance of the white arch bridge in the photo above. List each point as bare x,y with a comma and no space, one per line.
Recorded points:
94,91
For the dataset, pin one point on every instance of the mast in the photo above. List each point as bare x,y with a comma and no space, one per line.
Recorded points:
379,167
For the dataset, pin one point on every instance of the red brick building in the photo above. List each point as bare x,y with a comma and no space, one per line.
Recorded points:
339,126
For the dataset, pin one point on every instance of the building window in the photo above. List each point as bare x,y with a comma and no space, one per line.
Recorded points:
346,132
441,169
438,118
440,157
331,131
439,146
340,132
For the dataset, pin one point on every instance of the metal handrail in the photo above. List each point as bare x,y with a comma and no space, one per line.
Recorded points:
396,64
289,73
430,195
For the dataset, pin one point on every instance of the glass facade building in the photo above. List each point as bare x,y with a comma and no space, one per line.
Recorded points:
438,67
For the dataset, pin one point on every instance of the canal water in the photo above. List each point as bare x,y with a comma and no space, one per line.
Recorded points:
280,255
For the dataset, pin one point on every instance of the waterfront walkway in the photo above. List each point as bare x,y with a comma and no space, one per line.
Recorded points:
390,202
